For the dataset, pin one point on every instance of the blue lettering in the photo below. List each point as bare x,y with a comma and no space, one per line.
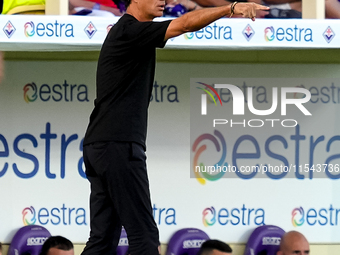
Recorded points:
245,219
323,216
44,89
215,26
48,136
235,216
40,27
82,93
295,30
308,35
311,213
237,155
56,28
65,91
311,152
263,94
69,30
227,34
249,213
223,213
81,171
43,213
55,216
325,94
260,217
170,218
280,32
45,216
219,32
53,29
61,28
199,32
172,96
331,209
276,156
57,92
292,33
289,31
63,208
208,31
243,209
314,94
49,27
160,213
70,210
64,144
212,32
297,137
25,155
81,216
301,29
222,94
330,167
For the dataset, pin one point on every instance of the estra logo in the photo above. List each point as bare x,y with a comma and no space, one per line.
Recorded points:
54,216
243,215
298,216
288,34
204,171
57,92
211,32
209,216
28,216
324,216
41,29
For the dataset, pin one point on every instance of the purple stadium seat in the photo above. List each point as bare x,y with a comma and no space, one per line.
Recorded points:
186,241
265,240
28,240
123,245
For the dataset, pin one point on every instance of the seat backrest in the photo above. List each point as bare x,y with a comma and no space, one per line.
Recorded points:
186,241
28,10
23,7
28,240
123,244
265,240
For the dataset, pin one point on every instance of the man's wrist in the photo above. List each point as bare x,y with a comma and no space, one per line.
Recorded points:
232,9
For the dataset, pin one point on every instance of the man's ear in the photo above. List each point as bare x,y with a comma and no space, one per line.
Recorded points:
279,253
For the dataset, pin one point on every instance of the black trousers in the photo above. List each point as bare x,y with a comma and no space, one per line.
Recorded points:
119,197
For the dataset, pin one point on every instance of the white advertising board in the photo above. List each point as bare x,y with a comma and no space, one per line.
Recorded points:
45,108
70,33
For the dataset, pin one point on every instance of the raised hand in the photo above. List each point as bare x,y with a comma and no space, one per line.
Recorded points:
248,10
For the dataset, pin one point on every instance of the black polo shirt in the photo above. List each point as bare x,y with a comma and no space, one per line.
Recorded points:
125,76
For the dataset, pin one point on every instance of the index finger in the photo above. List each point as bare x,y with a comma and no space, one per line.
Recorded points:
262,7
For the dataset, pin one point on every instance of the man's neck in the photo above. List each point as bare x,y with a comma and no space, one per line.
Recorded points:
135,12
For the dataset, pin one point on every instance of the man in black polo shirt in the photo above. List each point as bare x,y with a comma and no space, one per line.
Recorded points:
114,144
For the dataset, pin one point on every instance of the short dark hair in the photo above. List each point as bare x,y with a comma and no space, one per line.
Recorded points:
0,247
210,245
126,2
58,242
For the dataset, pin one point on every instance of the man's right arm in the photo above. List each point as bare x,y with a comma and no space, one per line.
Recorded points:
196,20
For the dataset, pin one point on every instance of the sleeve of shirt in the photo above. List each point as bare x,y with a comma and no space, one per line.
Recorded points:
150,33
